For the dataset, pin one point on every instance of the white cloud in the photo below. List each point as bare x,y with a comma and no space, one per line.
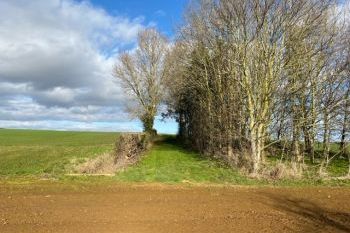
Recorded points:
72,125
56,64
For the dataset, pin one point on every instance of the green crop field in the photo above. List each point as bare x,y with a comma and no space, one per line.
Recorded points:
36,153
52,154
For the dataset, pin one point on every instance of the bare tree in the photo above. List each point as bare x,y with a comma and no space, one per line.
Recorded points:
250,73
142,73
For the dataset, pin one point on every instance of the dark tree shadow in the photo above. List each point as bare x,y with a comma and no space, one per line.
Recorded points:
314,217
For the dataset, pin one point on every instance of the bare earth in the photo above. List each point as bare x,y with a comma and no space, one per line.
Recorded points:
160,208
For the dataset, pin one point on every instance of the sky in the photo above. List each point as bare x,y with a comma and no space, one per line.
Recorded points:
57,56
56,60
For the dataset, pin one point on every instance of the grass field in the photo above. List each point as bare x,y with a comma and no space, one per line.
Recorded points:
51,154
38,153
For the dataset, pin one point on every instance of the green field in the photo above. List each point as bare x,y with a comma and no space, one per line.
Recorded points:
39,153
29,153
52,154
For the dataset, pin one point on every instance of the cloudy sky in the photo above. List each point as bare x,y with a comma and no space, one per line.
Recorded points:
56,58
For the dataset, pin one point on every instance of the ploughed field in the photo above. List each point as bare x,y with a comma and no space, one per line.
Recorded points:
172,208
169,190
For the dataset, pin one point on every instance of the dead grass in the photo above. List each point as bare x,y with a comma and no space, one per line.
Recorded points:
280,171
129,149
103,164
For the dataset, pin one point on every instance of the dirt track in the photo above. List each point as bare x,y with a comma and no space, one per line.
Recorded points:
174,209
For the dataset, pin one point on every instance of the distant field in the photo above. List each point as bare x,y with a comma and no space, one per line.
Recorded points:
33,153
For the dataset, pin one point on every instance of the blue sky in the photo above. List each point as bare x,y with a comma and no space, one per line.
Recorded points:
167,14
58,76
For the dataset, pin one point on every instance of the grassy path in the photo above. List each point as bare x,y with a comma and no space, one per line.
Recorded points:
168,162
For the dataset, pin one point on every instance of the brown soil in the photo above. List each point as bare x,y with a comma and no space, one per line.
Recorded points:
160,208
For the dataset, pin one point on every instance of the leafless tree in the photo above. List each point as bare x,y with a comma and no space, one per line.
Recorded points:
249,74
142,72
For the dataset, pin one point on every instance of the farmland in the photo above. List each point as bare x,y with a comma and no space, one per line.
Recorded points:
32,153
35,155
174,116
171,188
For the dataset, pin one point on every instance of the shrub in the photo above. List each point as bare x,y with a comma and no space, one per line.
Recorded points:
130,147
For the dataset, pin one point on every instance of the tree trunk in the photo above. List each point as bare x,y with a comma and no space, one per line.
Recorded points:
349,164
345,122
295,142
309,145
326,146
256,154
342,140
256,146
148,122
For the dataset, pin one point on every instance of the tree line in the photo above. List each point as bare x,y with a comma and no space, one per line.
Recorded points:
249,77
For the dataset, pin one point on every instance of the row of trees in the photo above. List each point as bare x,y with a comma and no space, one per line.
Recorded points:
251,74
248,76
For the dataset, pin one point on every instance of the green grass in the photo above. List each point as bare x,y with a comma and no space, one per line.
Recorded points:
35,153
28,155
169,163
